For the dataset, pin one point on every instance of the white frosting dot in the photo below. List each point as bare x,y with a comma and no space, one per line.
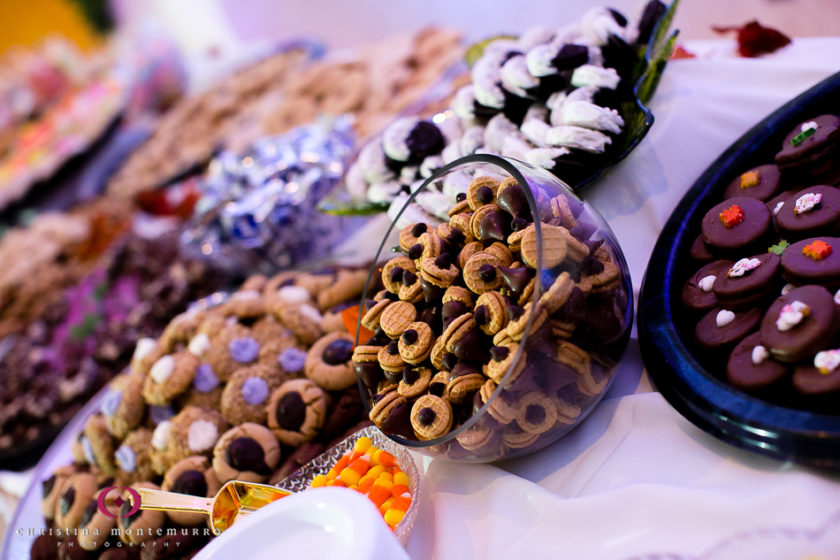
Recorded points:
707,282
162,369
244,295
202,435
160,437
311,313
778,207
809,125
837,297
199,344
759,354
293,294
724,317
144,348
787,288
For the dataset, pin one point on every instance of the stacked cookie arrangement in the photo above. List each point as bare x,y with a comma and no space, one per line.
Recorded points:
469,318
767,293
550,98
248,390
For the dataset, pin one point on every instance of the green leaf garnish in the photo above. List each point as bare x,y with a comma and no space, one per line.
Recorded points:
779,247
475,50
352,208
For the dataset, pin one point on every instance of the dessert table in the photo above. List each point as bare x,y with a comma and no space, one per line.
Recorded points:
637,480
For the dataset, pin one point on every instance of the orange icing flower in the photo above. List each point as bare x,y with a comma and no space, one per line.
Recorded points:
750,179
818,250
732,216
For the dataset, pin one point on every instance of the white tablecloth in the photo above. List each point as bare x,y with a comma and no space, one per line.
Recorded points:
637,479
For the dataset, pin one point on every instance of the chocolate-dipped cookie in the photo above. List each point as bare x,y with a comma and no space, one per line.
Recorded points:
815,260
699,251
760,182
747,281
697,292
810,212
799,323
820,377
735,225
808,150
751,367
723,328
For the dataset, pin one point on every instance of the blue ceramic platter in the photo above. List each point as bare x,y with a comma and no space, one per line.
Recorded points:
696,390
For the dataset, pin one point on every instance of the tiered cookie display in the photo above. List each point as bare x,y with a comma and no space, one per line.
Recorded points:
248,390
495,332
769,272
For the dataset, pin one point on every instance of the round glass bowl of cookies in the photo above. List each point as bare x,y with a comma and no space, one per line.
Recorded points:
493,318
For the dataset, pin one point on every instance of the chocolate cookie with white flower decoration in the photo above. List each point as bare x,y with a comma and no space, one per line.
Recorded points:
799,323
822,377
810,212
748,281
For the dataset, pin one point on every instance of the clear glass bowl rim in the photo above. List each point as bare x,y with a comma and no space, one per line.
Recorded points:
512,167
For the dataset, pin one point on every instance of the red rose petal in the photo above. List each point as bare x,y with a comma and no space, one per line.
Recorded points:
755,39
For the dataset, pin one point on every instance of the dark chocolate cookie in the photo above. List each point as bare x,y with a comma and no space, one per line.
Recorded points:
809,212
760,182
722,328
748,281
799,323
735,224
815,260
697,293
807,153
751,367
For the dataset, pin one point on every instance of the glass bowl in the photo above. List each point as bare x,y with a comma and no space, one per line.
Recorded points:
516,326
300,480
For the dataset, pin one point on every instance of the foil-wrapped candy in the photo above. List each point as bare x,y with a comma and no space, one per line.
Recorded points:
258,211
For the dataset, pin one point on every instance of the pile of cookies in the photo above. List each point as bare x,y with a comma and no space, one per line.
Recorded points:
58,361
248,390
53,251
285,91
550,98
466,322
766,296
